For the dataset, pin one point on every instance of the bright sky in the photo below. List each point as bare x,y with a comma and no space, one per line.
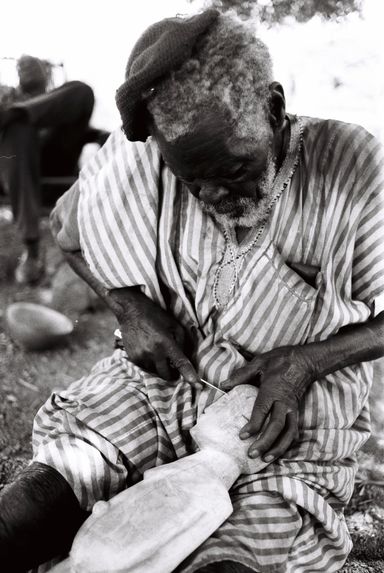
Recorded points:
94,37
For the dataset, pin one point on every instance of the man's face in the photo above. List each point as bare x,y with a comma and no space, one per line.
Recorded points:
231,177
32,74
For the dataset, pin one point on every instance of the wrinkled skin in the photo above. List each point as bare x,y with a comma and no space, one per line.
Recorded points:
282,376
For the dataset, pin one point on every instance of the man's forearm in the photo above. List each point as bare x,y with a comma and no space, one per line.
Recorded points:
116,299
358,343
78,264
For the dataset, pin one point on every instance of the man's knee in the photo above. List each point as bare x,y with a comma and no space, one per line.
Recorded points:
82,94
39,517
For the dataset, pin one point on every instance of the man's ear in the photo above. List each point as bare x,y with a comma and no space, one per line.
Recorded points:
276,105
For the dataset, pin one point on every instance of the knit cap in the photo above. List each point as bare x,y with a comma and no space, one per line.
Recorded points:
163,47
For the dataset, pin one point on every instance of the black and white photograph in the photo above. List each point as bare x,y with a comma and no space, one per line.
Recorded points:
192,286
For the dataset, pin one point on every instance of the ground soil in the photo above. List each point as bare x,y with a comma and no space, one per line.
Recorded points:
28,378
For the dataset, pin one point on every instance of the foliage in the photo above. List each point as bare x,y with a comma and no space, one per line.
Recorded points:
275,11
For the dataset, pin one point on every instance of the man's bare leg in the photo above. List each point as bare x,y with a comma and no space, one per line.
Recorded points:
39,516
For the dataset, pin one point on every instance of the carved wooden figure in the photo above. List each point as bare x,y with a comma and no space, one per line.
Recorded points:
155,524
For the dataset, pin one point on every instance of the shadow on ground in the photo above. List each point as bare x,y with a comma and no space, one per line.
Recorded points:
28,378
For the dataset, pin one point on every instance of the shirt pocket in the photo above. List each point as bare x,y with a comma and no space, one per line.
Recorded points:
273,304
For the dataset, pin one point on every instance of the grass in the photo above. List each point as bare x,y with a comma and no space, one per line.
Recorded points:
27,379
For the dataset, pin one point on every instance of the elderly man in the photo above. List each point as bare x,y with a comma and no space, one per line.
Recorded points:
238,244
42,131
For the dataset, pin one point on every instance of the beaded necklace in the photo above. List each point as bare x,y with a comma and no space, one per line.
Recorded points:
227,273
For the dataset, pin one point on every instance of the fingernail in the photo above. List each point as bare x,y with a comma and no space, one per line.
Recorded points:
244,435
268,458
254,453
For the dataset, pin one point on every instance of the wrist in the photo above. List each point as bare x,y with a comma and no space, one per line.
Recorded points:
310,362
115,303
305,363
124,302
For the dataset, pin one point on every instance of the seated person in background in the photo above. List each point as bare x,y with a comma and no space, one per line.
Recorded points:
42,132
234,242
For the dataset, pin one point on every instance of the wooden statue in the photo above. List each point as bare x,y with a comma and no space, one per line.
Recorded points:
155,524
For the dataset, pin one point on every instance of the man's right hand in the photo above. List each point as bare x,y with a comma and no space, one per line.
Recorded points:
152,338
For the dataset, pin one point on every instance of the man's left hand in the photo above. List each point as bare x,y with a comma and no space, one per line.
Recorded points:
282,376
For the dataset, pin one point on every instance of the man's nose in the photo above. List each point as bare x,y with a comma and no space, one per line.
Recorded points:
212,194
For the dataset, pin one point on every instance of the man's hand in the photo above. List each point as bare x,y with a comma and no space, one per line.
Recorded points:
152,338
283,375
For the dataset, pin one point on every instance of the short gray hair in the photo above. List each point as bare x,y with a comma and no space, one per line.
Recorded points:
231,69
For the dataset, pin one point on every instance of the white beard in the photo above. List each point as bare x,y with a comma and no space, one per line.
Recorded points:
254,211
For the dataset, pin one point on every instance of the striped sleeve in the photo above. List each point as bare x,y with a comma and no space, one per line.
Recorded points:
64,220
368,259
64,216
118,214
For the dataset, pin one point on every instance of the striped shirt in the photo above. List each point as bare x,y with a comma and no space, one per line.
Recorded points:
137,224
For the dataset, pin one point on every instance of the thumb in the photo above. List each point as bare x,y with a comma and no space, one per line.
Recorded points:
182,364
248,374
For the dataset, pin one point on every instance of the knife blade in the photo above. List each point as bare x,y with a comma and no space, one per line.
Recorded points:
212,386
